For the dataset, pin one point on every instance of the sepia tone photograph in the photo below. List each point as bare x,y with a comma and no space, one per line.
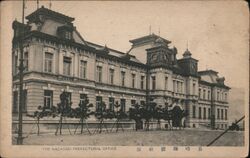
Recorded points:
155,76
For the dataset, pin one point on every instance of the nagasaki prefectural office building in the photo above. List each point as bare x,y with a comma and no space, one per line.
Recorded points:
58,59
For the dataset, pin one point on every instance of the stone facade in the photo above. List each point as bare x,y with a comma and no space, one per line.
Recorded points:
58,59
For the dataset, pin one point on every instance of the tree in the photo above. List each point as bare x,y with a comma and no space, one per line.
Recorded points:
135,113
119,115
41,112
101,114
83,112
64,110
147,113
158,115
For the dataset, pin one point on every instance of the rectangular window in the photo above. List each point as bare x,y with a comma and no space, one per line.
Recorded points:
123,78
199,93
15,101
222,114
194,112
133,102
225,96
218,95
153,82
48,98
83,69
123,105
166,83
208,95
204,113
194,87
15,64
98,102
142,102
99,73
199,112
26,61
111,103
133,80
66,65
142,82
68,94
83,98
209,113
24,108
48,60
111,76
204,94
225,114
218,114
178,86
174,89
68,35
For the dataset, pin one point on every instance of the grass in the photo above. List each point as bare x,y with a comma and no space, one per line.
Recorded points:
187,137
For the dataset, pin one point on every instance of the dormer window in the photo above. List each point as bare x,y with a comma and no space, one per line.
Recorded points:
65,32
68,35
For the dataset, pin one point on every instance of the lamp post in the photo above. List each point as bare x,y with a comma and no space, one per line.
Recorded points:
21,69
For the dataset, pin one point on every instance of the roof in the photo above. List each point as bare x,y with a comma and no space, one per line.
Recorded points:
151,37
207,72
50,13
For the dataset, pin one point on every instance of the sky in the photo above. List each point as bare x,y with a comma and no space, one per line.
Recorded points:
216,32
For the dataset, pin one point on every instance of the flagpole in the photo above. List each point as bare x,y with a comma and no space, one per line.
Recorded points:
21,68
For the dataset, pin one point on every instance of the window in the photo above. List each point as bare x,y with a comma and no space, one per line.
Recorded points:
48,62
178,87
225,114
24,108
123,105
66,65
48,99
111,103
111,76
204,94
225,96
218,114
142,102
15,101
194,86
153,82
26,61
222,114
133,80
15,64
199,112
99,73
199,93
83,69
166,83
142,82
209,113
133,102
204,113
98,102
123,78
83,98
194,112
218,95
68,35
174,89
68,94
208,95
181,87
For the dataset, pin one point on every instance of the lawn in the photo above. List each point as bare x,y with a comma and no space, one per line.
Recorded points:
187,137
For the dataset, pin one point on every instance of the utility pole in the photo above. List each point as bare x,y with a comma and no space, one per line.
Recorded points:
21,69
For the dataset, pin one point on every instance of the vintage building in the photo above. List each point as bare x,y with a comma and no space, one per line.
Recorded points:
58,59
